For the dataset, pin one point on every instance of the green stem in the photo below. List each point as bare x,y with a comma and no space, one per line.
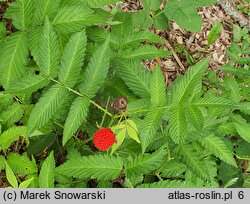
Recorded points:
83,96
104,115
158,176
158,14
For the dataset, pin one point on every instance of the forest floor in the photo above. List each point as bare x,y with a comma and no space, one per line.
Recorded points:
194,45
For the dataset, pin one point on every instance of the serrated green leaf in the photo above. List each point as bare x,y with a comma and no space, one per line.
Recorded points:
46,107
46,176
125,27
133,134
103,167
149,126
21,12
120,136
146,163
96,71
72,59
11,135
77,114
172,168
144,52
10,176
26,183
135,76
45,8
184,13
233,89
49,53
133,181
161,21
28,84
242,127
21,164
219,148
214,33
177,124
138,37
186,85
138,107
195,117
231,182
151,5
191,158
74,18
40,142
13,58
215,101
34,37
142,19
157,88
132,124
12,115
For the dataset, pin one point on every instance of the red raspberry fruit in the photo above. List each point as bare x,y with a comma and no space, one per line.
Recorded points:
104,139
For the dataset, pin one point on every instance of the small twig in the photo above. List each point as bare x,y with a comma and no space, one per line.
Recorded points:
230,9
175,56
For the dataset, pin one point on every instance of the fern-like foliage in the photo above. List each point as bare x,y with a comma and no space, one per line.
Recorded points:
46,176
137,37
13,58
219,148
96,71
143,164
177,124
75,17
28,84
46,107
186,85
195,117
12,115
157,88
11,135
10,176
45,8
102,167
242,127
172,168
135,76
72,59
35,36
49,53
193,161
149,126
77,113
21,164
216,101
123,29
144,52
22,14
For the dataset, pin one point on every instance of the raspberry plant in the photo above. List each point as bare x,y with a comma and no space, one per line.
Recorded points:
63,64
